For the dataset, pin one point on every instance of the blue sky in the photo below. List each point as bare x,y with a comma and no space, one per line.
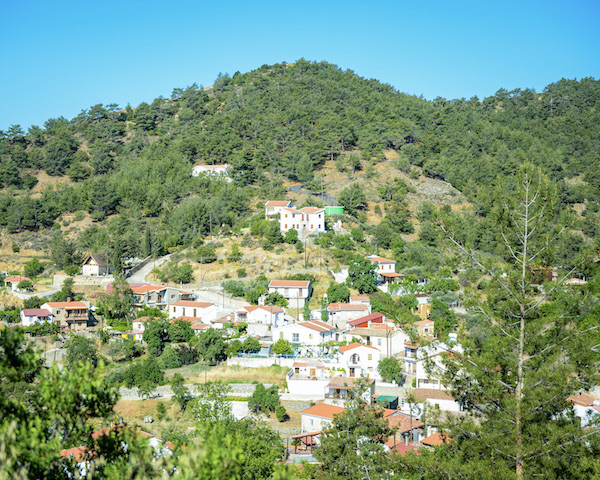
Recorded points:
59,57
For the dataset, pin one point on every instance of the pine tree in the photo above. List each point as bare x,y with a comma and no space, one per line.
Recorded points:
538,351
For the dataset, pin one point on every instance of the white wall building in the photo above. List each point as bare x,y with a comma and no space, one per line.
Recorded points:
32,316
359,360
271,315
312,333
200,310
341,313
319,417
295,291
388,340
304,220
274,207
221,170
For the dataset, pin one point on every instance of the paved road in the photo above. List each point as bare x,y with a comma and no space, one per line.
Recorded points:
140,275
47,293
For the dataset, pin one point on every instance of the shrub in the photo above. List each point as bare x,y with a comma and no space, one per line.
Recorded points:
281,413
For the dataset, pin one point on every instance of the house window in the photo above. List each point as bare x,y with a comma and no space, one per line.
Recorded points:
194,313
313,371
281,335
379,342
295,337
310,336
311,422
296,370
370,356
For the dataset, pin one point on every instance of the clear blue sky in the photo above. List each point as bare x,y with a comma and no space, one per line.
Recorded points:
59,57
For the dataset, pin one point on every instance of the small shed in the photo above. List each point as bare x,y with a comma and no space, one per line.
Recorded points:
96,264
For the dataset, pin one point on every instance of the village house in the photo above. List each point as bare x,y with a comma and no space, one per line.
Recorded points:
386,268
204,311
32,316
69,315
156,296
274,208
340,313
296,292
308,378
436,399
13,281
319,417
388,340
305,220
341,389
312,333
359,360
409,430
260,317
426,362
95,264
220,170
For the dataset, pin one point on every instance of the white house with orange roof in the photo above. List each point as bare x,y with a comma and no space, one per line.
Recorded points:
12,281
341,389
204,311
358,360
271,315
275,207
32,316
69,314
341,313
295,291
390,341
219,170
386,269
305,220
312,333
319,417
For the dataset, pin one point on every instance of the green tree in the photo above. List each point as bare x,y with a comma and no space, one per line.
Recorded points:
391,370
81,350
362,275
250,345
25,285
181,394
338,292
211,346
538,351
276,298
282,347
353,199
118,304
33,268
180,331
264,399
156,335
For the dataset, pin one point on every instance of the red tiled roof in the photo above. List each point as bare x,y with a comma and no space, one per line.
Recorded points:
190,303
67,305
583,399
200,326
422,394
36,312
311,209
186,319
354,345
16,279
317,325
424,322
268,308
289,283
403,422
277,203
360,298
392,274
435,439
214,167
323,410
402,448
339,307
373,317
376,259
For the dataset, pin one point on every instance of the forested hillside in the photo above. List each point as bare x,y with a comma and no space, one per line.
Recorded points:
277,124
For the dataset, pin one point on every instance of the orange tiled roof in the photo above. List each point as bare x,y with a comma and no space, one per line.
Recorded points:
354,345
323,410
289,283
190,303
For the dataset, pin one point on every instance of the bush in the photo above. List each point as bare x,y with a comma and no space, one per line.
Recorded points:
241,272
281,413
170,358
263,399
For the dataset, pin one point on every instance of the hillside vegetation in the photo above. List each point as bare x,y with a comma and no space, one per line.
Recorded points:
128,170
